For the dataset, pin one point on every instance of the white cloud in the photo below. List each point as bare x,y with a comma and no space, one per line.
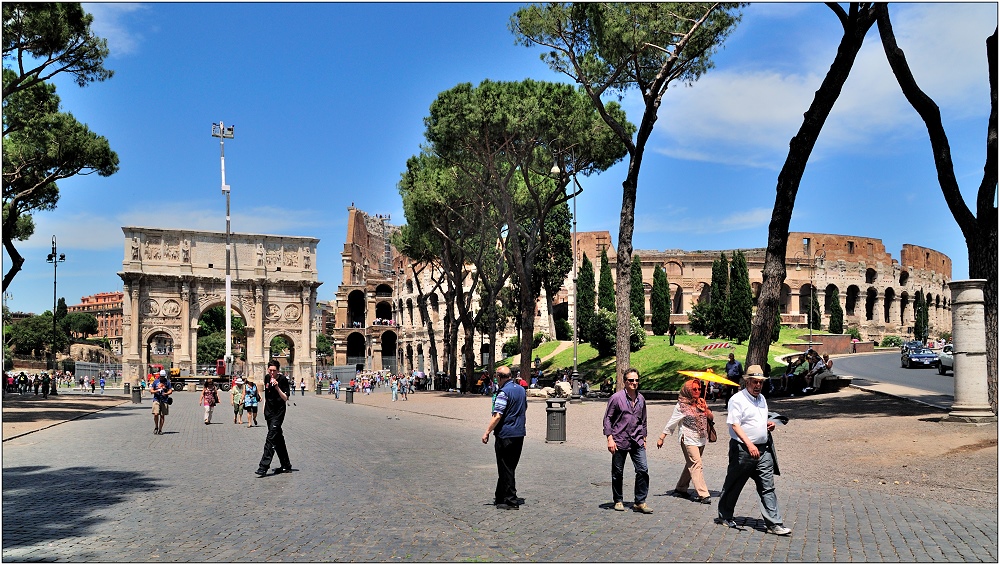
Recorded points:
674,222
109,23
92,231
748,116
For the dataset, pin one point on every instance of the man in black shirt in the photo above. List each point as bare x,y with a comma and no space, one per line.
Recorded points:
276,390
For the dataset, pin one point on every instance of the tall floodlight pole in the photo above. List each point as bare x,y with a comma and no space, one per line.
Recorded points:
576,321
55,258
222,132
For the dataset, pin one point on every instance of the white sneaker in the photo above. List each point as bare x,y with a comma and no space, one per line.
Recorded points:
779,530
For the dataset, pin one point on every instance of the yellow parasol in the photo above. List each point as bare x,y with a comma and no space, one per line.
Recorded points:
708,376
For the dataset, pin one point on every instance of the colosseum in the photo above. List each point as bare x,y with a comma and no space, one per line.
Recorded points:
380,317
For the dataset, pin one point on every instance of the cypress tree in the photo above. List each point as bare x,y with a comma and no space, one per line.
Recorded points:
720,292
585,298
836,314
739,305
606,286
637,294
815,314
920,318
659,302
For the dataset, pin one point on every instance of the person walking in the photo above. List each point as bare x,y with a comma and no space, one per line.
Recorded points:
508,425
672,332
692,416
394,387
209,398
162,389
102,383
93,384
237,395
276,391
751,454
302,386
335,385
46,381
250,400
625,428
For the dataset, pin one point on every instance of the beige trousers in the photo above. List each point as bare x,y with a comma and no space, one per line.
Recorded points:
692,473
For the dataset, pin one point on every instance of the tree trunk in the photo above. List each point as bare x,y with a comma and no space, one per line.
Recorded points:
980,231
16,260
856,25
552,316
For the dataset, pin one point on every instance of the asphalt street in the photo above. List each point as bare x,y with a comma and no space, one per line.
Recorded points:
411,481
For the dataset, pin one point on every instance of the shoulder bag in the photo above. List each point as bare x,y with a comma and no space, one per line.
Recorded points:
712,436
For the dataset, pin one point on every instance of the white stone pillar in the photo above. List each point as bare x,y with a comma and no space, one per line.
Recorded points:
969,337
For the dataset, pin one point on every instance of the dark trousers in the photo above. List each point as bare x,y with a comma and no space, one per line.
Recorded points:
638,455
508,452
671,339
275,442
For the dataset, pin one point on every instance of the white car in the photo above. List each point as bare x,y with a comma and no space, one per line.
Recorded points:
946,360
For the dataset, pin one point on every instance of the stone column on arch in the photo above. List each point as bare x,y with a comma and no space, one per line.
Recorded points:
255,345
894,316
131,355
969,341
189,332
307,366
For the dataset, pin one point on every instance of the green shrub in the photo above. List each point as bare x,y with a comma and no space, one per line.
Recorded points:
892,341
854,333
538,339
637,337
511,347
564,330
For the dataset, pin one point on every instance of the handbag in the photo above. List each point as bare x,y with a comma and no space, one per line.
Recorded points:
712,436
170,400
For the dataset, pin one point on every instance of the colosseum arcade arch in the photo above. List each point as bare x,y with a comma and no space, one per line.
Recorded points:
171,277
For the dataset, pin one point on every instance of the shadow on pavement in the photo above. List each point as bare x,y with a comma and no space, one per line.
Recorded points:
60,411
37,508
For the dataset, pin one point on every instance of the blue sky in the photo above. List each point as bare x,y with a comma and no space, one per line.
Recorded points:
328,102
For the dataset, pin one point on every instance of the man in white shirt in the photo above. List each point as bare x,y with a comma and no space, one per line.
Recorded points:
750,454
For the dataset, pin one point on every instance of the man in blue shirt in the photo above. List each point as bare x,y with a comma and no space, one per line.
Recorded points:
508,424
162,390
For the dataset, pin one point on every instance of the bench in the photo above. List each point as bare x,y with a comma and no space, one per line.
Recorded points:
834,383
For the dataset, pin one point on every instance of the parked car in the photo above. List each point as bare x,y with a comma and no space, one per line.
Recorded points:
918,358
946,360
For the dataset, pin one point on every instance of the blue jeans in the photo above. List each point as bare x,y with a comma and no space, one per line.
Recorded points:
741,468
638,455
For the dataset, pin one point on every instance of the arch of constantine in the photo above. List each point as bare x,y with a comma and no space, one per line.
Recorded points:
171,277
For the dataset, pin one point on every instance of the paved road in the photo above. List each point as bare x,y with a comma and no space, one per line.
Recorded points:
881,373
411,481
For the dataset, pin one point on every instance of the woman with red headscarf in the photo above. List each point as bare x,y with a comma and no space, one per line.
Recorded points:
691,415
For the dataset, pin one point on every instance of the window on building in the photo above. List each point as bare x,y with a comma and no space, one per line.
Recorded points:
850,247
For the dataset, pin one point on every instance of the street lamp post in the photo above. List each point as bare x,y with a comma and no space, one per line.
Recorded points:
222,132
55,258
811,262
575,377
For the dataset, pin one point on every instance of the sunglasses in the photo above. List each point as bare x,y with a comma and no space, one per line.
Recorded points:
632,380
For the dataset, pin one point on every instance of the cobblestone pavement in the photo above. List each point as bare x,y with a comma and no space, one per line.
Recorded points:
411,481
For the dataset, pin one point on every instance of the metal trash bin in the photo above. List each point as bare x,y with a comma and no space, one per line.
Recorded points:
319,387
349,395
136,395
555,420
128,387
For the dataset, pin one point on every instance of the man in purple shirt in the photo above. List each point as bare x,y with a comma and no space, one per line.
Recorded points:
625,428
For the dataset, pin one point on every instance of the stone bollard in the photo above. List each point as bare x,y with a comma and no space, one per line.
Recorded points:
968,326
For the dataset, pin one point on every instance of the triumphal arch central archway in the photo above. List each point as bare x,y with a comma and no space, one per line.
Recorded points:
171,277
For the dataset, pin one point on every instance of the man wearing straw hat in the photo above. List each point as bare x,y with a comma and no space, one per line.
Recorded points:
751,454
